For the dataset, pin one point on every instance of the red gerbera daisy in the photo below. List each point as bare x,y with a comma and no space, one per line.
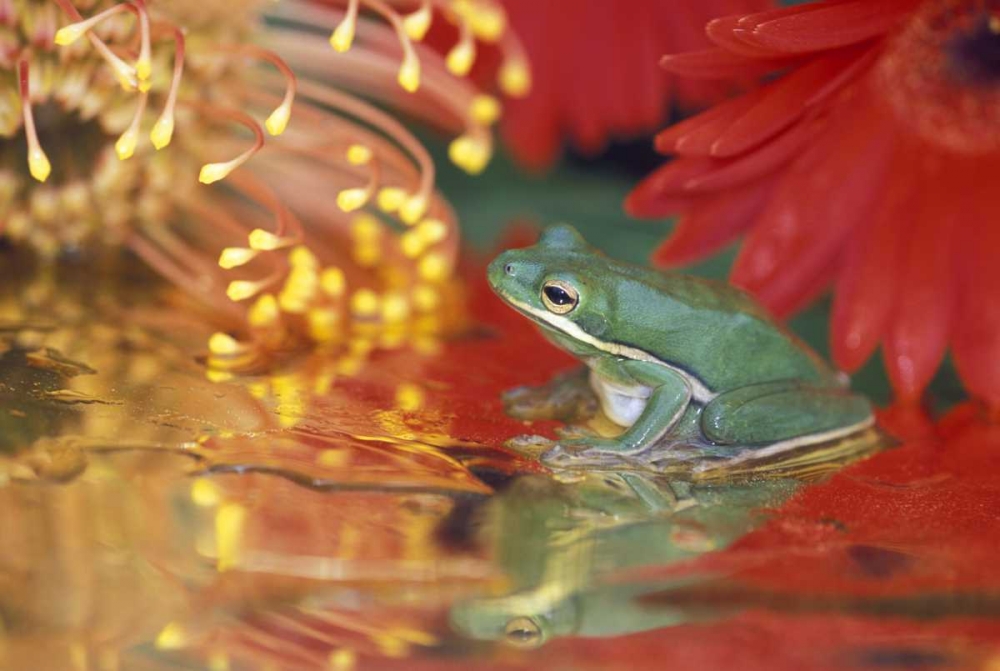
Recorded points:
594,70
870,163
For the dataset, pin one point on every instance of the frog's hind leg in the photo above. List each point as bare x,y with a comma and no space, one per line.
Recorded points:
784,412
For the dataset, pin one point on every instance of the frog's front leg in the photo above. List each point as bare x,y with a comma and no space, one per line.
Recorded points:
669,396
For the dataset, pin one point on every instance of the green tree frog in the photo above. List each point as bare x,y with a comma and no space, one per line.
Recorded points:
675,360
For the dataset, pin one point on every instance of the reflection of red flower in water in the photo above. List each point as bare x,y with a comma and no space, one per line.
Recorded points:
870,164
594,69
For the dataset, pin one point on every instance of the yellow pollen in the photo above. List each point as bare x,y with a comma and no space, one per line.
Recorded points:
412,244
343,34
223,344
69,34
323,324
418,23
413,209
277,122
143,68
485,109
461,57
171,637
488,22
395,307
367,254
391,198
358,154
38,164
364,303
349,200
409,397
233,257
366,228
432,231
229,522
125,146
264,311
426,298
515,78
163,131
213,172
265,241
409,73
343,659
204,493
145,85
471,154
239,290
333,282
433,267
302,257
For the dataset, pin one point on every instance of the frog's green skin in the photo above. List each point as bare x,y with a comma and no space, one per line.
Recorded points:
564,545
677,360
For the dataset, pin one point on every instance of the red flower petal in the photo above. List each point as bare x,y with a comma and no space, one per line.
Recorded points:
923,302
803,227
767,158
976,332
720,31
660,194
787,99
718,64
827,26
696,135
863,297
709,226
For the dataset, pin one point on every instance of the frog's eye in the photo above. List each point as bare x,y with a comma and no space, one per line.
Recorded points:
524,633
560,297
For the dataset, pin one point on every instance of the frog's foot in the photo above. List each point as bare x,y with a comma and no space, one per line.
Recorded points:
590,452
566,397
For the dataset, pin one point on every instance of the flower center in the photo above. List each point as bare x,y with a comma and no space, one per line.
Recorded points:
940,74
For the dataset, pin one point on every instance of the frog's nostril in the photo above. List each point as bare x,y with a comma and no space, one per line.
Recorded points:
509,269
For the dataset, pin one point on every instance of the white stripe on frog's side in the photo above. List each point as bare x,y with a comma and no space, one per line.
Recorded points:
699,392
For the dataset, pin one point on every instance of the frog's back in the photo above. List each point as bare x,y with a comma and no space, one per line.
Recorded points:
710,329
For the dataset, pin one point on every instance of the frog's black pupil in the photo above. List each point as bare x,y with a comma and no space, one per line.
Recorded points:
558,295
509,269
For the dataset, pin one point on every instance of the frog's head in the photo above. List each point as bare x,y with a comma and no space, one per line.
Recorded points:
555,283
527,620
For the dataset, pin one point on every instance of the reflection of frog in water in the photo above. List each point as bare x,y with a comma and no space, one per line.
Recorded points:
682,363
560,542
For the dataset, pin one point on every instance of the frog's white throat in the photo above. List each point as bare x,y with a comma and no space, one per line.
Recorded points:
699,392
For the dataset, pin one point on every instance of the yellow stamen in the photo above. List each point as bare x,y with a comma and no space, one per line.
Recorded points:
333,282
38,162
213,172
343,35
223,344
515,77
240,290
391,198
265,241
229,522
163,129
485,110
426,298
488,21
419,22
462,55
470,153
171,637
143,66
366,228
432,231
264,311
71,33
358,154
125,146
364,303
395,308
413,209
301,257
409,73
412,244
277,122
433,268
324,324
233,257
349,200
